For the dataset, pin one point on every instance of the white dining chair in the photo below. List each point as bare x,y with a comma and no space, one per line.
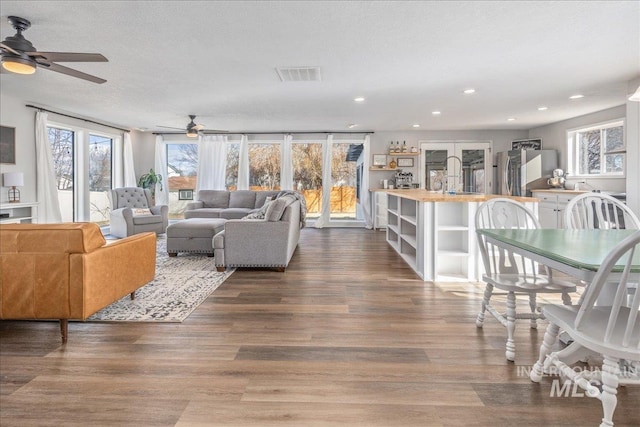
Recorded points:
599,210
514,274
612,331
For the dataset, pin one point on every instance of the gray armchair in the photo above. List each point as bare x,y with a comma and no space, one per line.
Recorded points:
125,221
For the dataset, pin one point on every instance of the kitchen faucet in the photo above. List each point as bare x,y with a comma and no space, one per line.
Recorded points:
459,176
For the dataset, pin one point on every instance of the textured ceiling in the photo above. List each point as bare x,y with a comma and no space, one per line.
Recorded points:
217,60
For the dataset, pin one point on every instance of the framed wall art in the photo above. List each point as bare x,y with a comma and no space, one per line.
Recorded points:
405,162
7,145
380,160
527,144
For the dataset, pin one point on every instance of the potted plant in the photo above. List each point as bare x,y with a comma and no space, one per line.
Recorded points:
149,180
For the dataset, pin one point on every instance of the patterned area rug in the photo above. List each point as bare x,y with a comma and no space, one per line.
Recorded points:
181,284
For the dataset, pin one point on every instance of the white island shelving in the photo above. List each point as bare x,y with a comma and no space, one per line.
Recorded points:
434,233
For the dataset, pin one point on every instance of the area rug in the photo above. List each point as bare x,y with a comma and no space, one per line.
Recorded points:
181,284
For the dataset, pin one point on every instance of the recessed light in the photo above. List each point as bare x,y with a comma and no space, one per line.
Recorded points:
577,96
436,113
542,108
416,125
469,91
359,99
352,125
511,119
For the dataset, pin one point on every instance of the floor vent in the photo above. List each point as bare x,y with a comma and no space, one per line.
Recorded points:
299,74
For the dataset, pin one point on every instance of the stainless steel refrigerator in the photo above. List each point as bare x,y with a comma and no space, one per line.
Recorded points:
520,171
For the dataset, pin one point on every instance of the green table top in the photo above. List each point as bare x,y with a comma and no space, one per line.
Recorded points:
582,249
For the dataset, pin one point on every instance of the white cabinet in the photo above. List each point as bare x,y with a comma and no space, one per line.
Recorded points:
379,208
16,213
551,207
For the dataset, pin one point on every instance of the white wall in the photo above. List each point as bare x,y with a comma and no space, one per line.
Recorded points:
555,136
633,149
143,144
15,114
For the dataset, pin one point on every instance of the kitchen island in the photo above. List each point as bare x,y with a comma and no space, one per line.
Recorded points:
435,234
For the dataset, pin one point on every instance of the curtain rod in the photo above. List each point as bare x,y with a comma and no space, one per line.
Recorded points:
268,133
78,118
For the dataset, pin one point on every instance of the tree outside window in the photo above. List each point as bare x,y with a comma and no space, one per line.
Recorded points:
598,150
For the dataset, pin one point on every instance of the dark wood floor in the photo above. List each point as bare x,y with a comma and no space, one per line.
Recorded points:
348,336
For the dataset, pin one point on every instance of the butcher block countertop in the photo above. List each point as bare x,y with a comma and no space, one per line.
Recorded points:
429,196
560,191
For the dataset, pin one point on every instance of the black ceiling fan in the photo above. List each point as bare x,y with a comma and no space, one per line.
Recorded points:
193,129
20,56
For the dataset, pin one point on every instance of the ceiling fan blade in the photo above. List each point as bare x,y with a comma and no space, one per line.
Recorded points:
68,56
71,72
8,49
170,127
198,127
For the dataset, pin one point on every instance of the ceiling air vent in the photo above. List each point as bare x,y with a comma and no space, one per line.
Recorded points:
299,74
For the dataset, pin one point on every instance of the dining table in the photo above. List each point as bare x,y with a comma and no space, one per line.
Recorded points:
575,252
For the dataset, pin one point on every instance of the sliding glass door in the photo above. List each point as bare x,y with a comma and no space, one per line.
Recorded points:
83,163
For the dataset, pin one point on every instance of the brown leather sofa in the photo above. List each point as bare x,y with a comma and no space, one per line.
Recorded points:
67,271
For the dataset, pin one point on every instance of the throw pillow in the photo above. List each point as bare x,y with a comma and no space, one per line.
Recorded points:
140,211
276,209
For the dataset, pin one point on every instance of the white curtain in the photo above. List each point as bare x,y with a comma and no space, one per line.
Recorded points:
325,213
243,164
365,195
286,175
129,169
162,191
212,162
46,187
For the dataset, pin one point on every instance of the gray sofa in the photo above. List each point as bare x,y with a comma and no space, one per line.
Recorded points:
226,204
268,242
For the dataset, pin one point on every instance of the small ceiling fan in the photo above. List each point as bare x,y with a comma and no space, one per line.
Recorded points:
193,129
21,57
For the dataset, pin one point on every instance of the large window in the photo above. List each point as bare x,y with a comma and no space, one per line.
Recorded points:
343,183
597,150
62,147
182,174
264,166
100,177
83,163
233,162
307,174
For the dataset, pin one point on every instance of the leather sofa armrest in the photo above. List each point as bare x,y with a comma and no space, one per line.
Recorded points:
109,273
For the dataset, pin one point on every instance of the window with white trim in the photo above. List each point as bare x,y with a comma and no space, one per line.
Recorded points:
598,150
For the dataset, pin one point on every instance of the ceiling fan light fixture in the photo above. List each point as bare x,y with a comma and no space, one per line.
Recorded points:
18,65
192,133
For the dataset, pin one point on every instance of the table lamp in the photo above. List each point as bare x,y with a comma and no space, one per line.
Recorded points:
13,180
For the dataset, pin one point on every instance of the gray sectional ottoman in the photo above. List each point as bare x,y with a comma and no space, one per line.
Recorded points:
193,235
